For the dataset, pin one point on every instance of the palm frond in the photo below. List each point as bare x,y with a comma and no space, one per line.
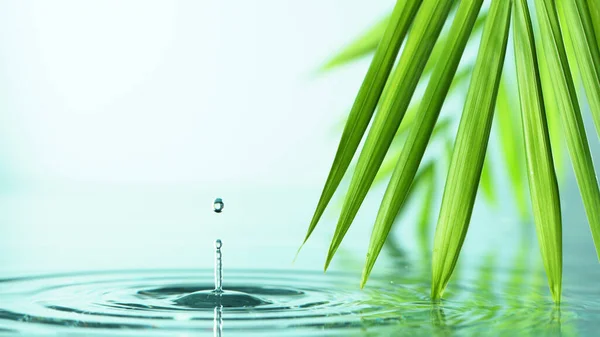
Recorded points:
567,50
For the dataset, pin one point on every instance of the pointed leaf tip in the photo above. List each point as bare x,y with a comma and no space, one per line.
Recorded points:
425,30
405,177
366,100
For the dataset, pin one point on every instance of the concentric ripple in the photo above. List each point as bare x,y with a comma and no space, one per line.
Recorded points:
170,301
279,303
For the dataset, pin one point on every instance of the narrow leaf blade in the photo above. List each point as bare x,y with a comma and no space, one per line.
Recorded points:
572,121
421,132
366,101
387,167
543,185
557,138
577,22
438,51
426,28
470,147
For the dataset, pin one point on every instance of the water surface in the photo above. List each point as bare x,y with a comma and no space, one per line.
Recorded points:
492,301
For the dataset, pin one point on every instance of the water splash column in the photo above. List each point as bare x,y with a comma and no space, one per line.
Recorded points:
218,206
218,267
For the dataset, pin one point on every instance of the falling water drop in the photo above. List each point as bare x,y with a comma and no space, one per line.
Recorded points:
218,205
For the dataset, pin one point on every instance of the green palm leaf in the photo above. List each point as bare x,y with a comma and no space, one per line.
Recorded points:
367,43
543,185
462,74
568,48
566,97
420,133
470,147
427,25
387,167
579,25
557,138
440,46
366,101
571,58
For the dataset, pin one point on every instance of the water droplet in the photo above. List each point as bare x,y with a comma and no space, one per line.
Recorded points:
218,205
